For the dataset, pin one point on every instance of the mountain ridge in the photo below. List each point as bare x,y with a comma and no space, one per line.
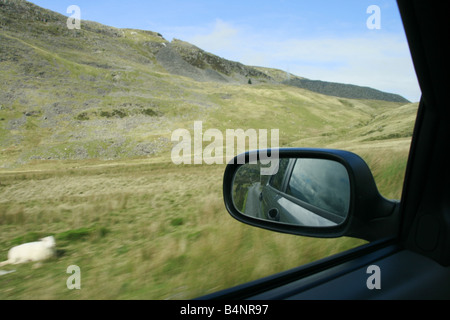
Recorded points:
200,65
107,93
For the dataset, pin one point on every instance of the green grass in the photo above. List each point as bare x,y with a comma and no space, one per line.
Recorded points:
153,231
138,226
146,230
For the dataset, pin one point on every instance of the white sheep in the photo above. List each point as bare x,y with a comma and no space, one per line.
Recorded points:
31,252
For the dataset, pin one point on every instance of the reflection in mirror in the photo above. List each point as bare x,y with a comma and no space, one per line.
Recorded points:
305,192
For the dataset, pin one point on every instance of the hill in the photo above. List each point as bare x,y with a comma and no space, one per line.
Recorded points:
108,93
344,90
86,118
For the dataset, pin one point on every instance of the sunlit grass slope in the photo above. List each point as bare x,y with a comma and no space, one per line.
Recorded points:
145,228
86,121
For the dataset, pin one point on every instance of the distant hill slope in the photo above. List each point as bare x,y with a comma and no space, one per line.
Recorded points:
183,58
177,57
344,90
108,93
211,66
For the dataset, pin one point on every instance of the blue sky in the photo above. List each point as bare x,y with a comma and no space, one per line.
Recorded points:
322,40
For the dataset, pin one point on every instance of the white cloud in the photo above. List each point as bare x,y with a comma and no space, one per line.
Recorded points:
383,63
222,37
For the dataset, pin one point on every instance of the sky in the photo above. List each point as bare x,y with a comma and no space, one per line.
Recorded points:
329,40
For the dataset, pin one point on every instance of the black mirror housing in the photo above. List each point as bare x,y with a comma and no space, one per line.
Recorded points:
370,216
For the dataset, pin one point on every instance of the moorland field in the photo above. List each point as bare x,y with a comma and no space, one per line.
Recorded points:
86,118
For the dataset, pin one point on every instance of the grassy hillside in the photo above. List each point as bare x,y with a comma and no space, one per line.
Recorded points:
107,93
344,90
86,118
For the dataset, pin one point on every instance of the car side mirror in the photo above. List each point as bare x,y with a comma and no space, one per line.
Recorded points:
310,192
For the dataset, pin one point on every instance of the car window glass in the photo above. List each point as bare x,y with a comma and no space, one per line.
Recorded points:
277,180
92,94
322,183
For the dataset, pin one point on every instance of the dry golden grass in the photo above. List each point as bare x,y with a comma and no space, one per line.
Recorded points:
148,229
139,231
145,228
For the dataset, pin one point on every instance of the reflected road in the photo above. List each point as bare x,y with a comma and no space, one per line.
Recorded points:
252,205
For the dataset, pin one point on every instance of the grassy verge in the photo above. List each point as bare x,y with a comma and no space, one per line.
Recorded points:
138,231
79,111
147,230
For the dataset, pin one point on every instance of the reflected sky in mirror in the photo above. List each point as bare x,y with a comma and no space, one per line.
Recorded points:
322,183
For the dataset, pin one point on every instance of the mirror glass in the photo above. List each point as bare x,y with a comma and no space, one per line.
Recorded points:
304,192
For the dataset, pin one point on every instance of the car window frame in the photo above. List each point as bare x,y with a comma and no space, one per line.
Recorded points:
289,168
